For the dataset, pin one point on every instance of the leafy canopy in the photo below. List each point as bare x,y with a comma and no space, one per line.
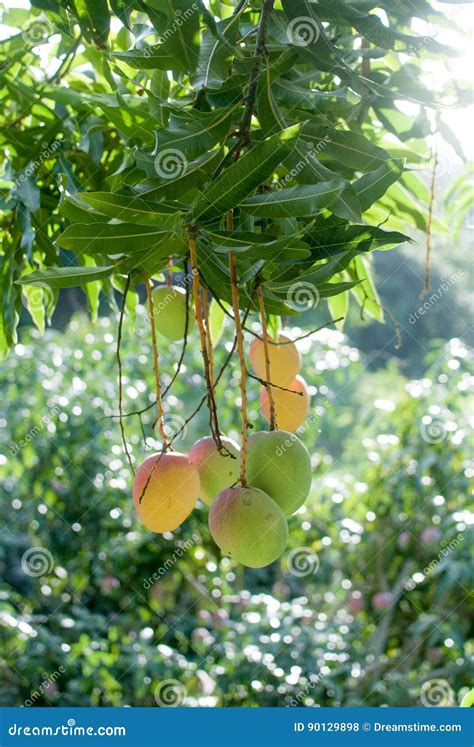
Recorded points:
129,126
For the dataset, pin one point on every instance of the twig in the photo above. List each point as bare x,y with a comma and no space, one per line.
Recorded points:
213,420
260,52
156,365
266,382
210,351
243,367
119,363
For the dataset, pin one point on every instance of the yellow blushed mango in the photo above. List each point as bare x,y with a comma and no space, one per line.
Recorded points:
290,409
285,360
165,490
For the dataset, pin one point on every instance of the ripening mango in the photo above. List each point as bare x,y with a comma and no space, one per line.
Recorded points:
279,464
248,526
285,360
165,490
217,469
169,306
290,410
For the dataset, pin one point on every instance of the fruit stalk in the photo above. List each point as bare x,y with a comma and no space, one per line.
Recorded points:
268,386
213,420
120,377
156,365
243,367
210,352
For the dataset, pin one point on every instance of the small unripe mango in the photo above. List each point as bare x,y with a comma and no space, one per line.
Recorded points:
285,360
248,526
168,486
290,409
169,306
279,464
217,469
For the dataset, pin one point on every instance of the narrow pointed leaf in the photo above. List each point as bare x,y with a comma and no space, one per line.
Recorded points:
244,176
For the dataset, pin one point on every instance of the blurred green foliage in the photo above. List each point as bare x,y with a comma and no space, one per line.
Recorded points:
120,614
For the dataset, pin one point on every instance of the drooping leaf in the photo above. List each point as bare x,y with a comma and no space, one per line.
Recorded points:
132,209
373,185
65,277
303,200
118,238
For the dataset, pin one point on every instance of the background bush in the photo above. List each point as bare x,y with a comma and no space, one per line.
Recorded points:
122,616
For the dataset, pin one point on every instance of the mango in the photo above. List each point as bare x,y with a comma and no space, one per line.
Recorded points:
248,526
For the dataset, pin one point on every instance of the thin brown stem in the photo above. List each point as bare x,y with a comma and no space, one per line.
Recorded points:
156,365
268,386
120,375
260,53
243,367
213,419
266,382
210,350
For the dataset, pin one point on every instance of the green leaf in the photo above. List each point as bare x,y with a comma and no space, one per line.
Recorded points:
132,209
35,304
197,134
303,200
65,277
150,58
349,148
216,54
122,9
245,175
339,306
365,291
136,124
216,322
179,33
27,192
195,174
114,239
94,19
329,239
370,187
92,291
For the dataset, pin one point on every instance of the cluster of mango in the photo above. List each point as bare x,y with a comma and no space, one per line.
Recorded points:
250,492
289,391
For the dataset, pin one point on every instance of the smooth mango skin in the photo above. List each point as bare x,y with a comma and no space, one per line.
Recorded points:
169,306
216,471
291,410
171,493
248,526
285,360
279,464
